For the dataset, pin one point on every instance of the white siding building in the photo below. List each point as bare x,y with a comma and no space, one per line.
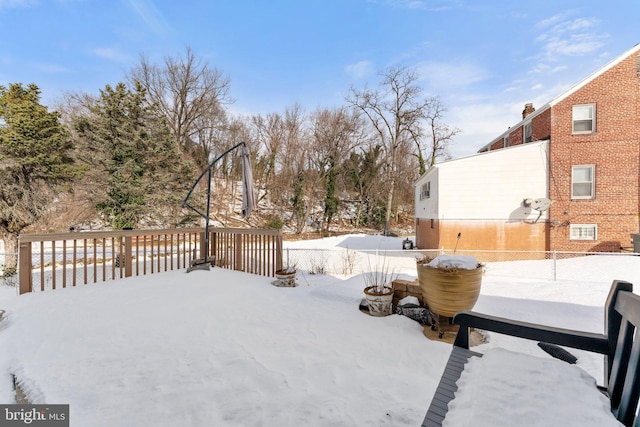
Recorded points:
484,197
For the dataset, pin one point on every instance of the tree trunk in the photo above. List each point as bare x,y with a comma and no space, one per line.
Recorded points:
358,213
387,216
10,251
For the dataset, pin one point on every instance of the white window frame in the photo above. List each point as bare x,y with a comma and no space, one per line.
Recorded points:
592,119
526,139
592,194
425,191
583,232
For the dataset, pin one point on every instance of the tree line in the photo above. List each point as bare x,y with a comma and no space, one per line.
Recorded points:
126,157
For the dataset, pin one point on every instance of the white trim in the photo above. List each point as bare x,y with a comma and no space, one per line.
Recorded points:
425,191
569,91
594,75
530,117
593,119
581,228
524,132
592,182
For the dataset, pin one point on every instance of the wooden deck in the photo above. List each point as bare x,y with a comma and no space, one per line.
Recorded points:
447,386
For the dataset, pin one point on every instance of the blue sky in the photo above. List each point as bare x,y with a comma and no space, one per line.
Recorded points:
485,59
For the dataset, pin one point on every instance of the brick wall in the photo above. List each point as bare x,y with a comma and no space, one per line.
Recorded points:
614,149
406,288
515,136
541,126
540,130
498,144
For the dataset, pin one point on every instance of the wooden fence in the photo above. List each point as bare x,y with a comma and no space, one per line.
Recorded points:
51,261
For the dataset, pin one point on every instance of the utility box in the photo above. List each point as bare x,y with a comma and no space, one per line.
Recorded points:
407,244
636,242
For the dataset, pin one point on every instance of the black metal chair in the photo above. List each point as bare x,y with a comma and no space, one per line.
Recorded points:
620,346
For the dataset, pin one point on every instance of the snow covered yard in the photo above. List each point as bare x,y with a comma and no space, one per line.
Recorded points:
226,348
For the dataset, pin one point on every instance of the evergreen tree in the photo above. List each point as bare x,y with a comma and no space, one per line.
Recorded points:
134,159
35,160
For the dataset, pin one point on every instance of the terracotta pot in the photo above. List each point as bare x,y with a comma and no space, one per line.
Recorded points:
446,292
380,303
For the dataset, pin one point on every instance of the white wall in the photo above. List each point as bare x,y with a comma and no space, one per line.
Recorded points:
428,207
488,186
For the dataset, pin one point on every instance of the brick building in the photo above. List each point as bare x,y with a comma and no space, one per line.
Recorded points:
586,160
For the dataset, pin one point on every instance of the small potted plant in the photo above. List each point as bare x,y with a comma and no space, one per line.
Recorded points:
378,289
286,276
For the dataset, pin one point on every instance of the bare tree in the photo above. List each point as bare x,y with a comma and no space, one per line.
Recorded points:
441,134
396,111
363,181
228,172
335,133
191,95
270,135
283,139
239,130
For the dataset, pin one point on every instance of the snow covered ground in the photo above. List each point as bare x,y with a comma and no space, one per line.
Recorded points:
223,348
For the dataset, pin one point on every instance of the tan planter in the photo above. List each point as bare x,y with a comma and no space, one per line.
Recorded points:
446,292
380,304
285,279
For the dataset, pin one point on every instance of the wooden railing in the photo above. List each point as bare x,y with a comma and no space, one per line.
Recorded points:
50,261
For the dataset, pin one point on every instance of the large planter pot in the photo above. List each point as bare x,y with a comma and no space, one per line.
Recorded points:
447,291
380,303
285,278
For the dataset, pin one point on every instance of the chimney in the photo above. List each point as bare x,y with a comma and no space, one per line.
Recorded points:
528,109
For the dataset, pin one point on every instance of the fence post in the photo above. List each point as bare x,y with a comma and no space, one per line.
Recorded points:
128,255
237,262
213,242
204,251
278,248
25,274
555,272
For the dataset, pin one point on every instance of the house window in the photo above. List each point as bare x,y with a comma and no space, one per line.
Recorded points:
583,232
506,141
425,191
433,223
583,182
584,118
527,133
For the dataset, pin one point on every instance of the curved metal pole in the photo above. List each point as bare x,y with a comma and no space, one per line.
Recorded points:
185,203
205,256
